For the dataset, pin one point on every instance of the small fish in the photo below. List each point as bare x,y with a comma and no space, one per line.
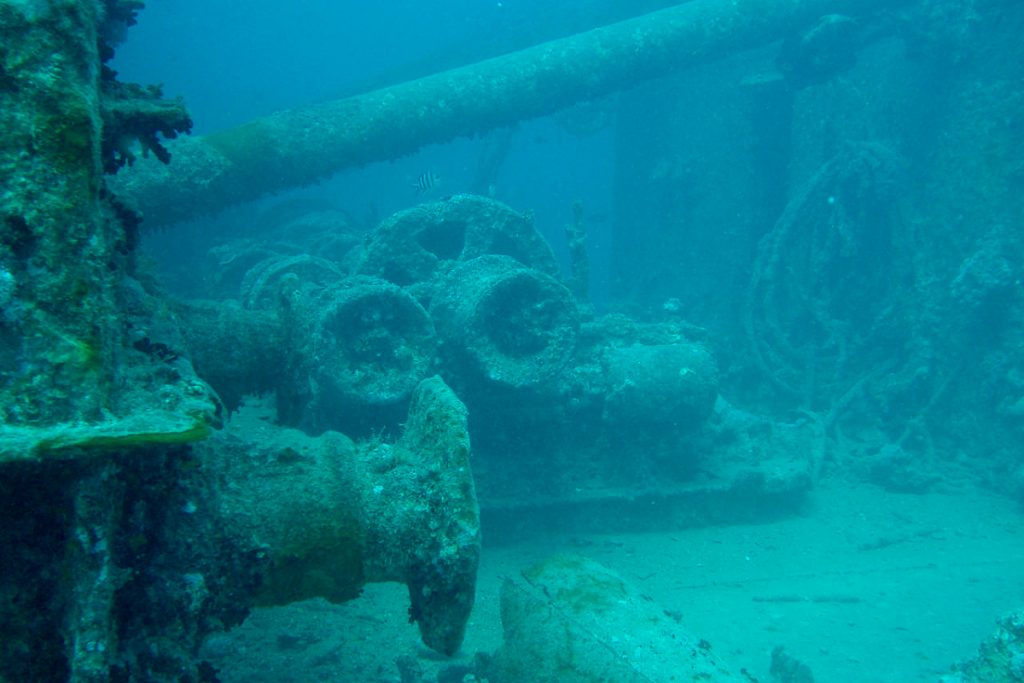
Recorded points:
426,182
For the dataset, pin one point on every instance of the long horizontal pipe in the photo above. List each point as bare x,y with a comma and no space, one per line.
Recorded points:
300,146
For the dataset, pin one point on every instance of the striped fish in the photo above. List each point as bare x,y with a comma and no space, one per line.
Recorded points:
426,182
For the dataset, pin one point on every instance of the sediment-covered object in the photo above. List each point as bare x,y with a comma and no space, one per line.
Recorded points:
300,146
570,620
504,322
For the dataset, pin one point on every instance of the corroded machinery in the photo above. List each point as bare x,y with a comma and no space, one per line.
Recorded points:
131,527
595,422
322,516
467,288
119,563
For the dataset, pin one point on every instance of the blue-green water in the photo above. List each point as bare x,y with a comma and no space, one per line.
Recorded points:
746,328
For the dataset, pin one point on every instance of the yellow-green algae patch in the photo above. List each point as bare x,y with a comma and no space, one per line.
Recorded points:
69,439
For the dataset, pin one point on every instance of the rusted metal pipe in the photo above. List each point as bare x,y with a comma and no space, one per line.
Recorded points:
300,146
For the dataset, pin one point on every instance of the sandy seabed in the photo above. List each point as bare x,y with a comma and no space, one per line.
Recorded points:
864,585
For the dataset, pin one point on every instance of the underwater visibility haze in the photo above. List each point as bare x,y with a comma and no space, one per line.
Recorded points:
512,341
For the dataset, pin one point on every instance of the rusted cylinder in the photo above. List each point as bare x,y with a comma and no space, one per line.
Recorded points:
504,322
237,351
672,386
358,348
